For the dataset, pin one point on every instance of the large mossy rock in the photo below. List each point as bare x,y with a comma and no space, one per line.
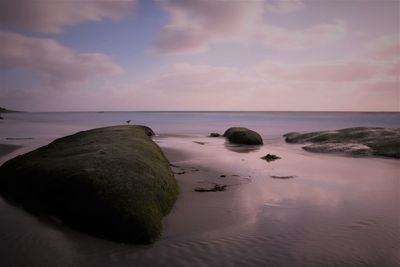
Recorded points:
241,135
111,182
358,141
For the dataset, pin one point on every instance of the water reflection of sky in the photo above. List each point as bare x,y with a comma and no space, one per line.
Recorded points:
337,211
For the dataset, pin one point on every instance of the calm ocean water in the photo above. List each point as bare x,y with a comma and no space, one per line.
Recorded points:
269,124
337,211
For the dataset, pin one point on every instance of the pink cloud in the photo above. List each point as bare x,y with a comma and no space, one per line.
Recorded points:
328,72
203,87
196,24
314,36
379,86
284,6
52,16
331,71
394,69
53,63
338,85
384,48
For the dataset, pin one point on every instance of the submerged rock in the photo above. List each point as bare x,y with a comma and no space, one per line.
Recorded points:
111,182
359,141
241,135
214,135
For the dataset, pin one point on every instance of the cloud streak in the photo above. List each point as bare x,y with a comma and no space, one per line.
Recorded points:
52,16
384,48
55,65
194,24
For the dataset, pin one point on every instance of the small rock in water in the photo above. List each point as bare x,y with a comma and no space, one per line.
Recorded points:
222,176
214,135
281,177
270,157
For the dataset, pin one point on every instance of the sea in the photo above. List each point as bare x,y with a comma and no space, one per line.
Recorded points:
50,125
335,210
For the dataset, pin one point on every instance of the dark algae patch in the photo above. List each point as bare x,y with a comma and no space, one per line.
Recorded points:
215,188
358,141
270,157
111,182
241,135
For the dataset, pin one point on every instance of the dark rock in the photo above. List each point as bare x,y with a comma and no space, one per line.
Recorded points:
200,143
270,157
240,135
282,177
120,194
19,138
4,110
358,141
214,135
216,188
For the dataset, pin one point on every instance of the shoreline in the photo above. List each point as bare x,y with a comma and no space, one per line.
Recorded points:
6,149
258,221
198,214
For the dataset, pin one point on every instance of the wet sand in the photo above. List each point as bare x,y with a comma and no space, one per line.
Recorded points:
7,149
336,211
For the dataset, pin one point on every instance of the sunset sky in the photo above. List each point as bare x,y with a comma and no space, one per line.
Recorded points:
88,55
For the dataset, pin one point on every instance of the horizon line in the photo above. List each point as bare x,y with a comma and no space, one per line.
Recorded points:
214,111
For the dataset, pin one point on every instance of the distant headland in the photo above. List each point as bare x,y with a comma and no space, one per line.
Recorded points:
4,110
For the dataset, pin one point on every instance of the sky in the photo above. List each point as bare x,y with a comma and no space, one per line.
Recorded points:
240,55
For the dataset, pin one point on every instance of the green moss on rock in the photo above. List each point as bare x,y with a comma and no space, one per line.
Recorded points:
241,135
111,182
